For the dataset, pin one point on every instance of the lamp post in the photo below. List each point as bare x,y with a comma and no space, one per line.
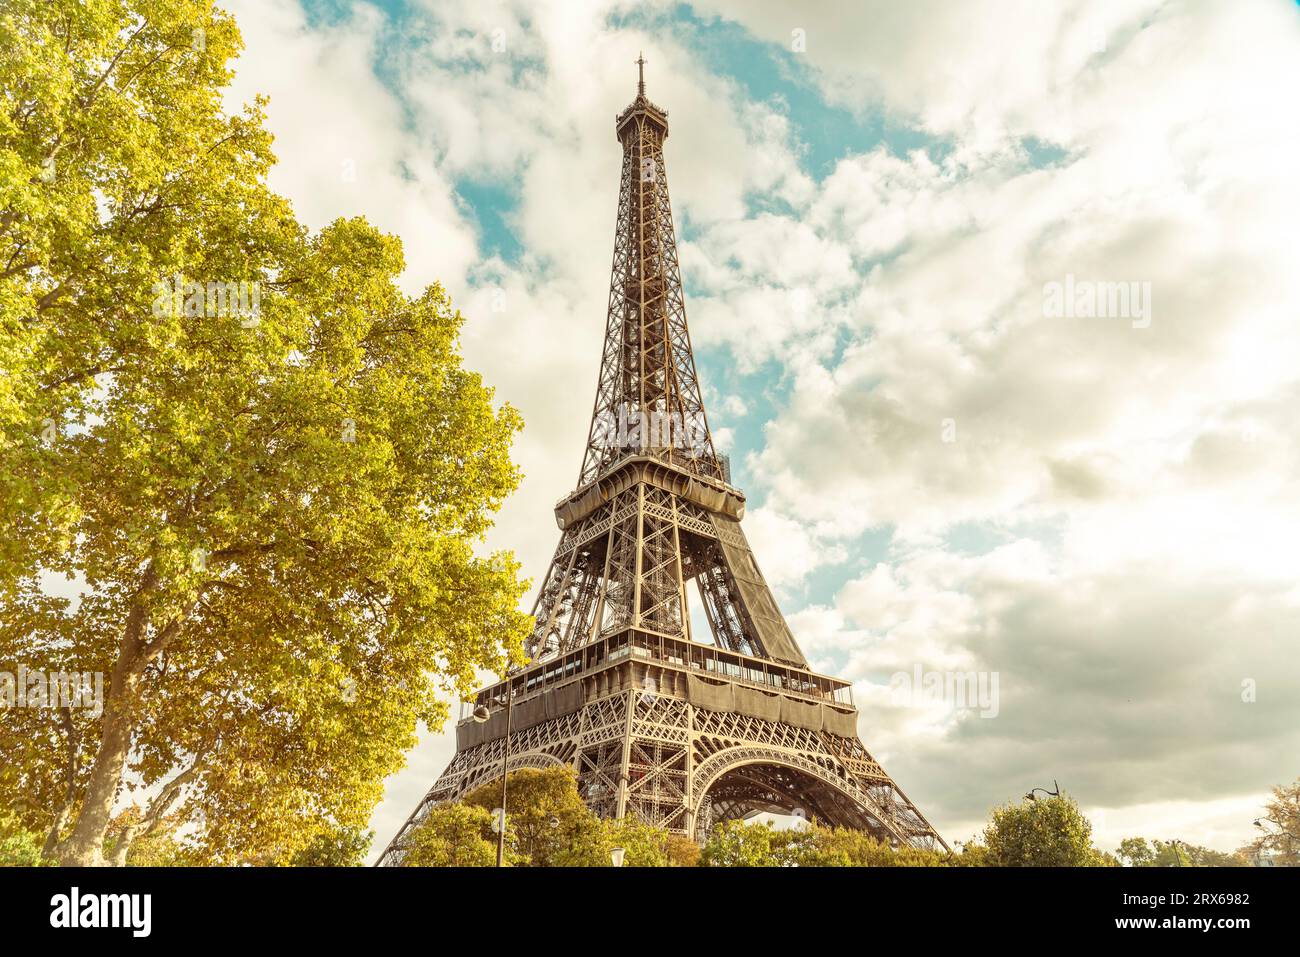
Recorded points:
1056,793
481,714
1174,842
616,856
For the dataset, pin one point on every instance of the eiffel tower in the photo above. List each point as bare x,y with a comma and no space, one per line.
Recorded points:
680,728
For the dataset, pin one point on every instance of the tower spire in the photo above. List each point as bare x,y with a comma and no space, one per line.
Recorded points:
640,64
648,398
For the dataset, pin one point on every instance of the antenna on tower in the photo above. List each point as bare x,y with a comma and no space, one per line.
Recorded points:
640,66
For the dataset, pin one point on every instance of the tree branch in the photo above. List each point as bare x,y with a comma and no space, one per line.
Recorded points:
90,95
70,789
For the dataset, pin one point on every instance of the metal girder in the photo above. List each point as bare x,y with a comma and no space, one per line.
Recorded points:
683,768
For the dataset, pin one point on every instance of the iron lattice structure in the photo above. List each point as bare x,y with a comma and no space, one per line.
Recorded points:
680,729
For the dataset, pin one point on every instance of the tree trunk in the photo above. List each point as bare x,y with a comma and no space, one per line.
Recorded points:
52,838
85,845
123,845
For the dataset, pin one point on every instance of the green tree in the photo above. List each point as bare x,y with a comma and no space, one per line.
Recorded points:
644,844
547,826
547,821
19,847
1135,851
1048,832
336,847
813,846
274,505
1176,853
972,854
594,841
736,843
454,835
820,846
1208,857
739,844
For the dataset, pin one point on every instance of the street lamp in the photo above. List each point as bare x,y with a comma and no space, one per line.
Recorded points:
1174,842
616,856
1055,794
481,714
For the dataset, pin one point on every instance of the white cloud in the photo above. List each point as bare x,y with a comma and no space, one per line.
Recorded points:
340,139
1125,684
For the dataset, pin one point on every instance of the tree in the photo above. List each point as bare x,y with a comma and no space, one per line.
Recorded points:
453,835
813,846
739,844
681,851
264,461
1048,832
819,846
1281,837
133,841
735,843
547,821
1176,853
339,847
1135,851
19,847
644,844
972,854
547,826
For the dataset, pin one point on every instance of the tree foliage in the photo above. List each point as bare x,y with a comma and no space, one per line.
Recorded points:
454,835
136,840
343,847
644,845
681,851
737,843
1048,832
547,826
274,514
1137,852
19,847
1280,837
547,821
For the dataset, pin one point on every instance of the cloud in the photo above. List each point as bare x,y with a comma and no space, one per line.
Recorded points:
1130,685
340,138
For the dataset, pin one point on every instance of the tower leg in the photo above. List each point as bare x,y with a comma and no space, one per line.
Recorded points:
625,763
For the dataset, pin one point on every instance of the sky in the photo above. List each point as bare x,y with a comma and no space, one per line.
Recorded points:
875,204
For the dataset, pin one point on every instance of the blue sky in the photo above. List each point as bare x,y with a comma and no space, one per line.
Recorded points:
871,204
